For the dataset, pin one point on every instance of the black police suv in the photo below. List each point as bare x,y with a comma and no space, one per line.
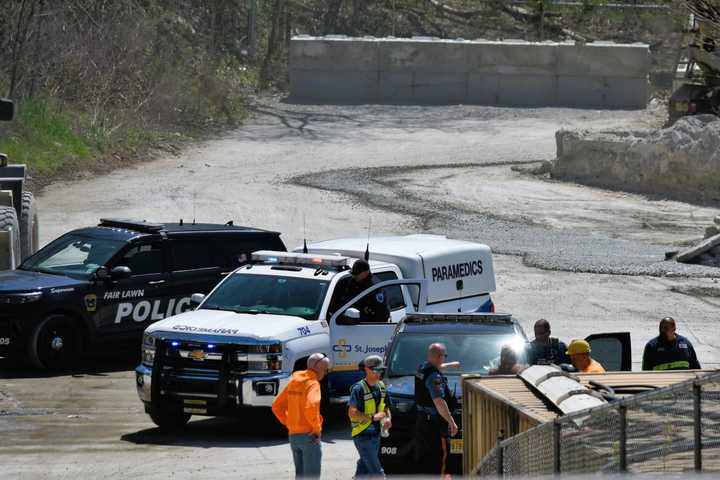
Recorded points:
103,285
475,340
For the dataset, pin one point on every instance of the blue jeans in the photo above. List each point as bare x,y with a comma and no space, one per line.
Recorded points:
368,446
306,455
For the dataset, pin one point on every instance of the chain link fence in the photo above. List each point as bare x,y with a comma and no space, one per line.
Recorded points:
673,429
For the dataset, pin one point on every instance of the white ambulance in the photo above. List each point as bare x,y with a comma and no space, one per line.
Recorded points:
238,348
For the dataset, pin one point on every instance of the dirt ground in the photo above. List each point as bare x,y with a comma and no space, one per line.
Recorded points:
586,259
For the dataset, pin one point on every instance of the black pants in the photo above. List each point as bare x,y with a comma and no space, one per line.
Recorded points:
431,444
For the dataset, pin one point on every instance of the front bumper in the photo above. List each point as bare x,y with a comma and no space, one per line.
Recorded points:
205,394
12,336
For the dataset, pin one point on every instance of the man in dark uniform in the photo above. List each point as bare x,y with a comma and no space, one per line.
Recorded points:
434,422
374,306
544,349
669,351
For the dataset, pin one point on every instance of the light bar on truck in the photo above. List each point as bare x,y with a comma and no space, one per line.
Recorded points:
306,259
468,317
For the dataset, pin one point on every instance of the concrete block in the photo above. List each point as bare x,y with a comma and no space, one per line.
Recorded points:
603,60
355,55
440,87
396,87
527,91
483,88
423,56
332,86
627,93
702,247
512,58
602,92
582,92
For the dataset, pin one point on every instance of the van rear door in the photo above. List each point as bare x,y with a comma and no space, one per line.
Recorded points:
612,350
458,272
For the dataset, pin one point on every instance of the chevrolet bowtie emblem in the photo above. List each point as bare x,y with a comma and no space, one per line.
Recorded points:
198,355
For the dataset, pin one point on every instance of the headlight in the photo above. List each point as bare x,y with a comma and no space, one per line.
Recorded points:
19,298
148,350
270,348
261,358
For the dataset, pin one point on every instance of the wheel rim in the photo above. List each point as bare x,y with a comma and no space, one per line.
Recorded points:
58,344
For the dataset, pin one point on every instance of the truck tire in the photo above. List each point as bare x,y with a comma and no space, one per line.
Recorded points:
56,343
9,221
29,227
170,420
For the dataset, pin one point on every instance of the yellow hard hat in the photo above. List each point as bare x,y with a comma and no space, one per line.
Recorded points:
578,346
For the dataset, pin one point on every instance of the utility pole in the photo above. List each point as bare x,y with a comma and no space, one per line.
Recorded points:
252,30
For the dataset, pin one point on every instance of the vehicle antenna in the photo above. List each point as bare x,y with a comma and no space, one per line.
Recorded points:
367,247
194,195
305,249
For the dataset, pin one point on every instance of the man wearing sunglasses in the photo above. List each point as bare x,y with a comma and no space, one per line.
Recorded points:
369,414
435,404
298,408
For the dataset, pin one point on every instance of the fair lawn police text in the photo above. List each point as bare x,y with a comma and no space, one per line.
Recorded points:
145,310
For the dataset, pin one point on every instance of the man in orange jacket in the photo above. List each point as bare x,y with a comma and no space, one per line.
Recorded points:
298,408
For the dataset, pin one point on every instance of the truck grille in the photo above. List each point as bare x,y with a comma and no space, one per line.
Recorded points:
205,370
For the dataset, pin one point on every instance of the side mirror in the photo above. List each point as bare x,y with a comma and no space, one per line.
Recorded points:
102,273
7,109
351,316
196,299
120,273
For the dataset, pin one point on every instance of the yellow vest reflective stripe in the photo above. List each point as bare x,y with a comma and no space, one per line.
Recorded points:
673,365
369,408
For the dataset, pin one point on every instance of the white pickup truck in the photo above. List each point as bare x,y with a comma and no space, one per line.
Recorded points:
238,348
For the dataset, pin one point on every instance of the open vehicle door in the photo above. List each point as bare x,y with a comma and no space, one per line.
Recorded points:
354,336
612,350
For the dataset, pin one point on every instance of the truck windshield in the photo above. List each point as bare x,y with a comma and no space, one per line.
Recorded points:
477,353
74,255
270,294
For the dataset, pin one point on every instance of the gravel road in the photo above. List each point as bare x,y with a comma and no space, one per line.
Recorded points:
407,169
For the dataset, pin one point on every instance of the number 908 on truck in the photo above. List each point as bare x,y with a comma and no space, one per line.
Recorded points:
238,348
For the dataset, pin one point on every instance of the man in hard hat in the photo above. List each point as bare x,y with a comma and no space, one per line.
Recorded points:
298,408
369,412
579,352
669,351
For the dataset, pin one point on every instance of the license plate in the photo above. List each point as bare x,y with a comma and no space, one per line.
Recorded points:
456,445
195,410
681,107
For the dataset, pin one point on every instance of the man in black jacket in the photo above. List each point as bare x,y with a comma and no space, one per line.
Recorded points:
669,351
374,306
435,404
544,349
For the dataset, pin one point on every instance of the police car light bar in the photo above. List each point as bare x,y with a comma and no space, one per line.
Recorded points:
289,258
458,318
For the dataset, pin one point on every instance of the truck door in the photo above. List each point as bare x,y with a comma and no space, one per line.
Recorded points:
612,350
354,337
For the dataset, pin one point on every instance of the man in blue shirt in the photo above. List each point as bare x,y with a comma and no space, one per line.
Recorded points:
369,413
435,404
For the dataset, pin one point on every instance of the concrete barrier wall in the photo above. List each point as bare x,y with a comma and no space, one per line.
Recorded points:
681,162
338,69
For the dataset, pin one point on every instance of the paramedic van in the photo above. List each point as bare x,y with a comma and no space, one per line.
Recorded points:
238,348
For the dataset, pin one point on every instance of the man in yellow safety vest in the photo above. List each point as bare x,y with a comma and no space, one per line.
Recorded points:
369,414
